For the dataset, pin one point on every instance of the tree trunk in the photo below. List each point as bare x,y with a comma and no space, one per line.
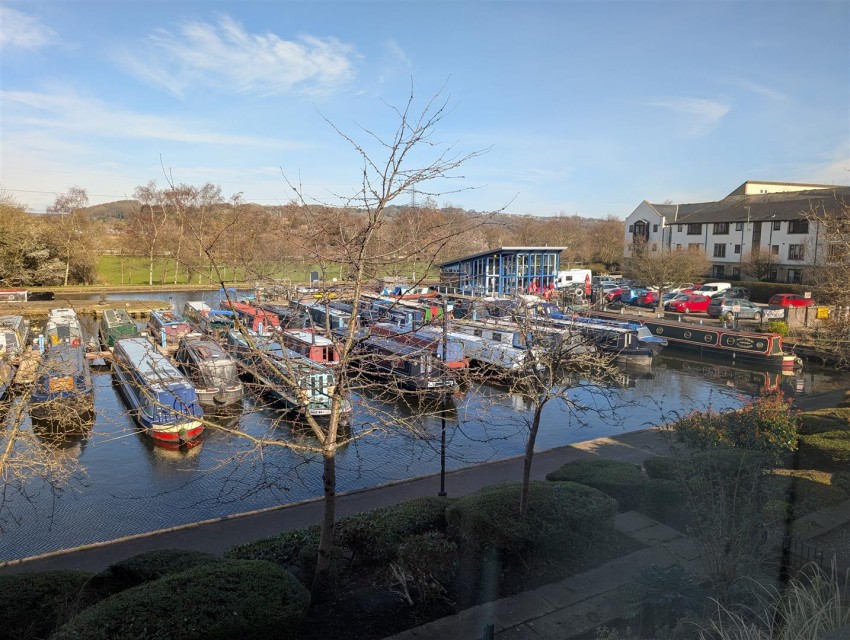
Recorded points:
529,458
323,562
67,269
150,269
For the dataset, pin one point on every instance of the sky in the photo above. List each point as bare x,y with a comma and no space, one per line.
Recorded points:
582,107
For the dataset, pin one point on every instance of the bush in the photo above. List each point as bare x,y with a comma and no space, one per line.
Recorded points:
142,568
661,468
665,499
828,450
660,596
823,420
562,516
804,491
778,326
282,549
430,560
374,536
32,605
620,480
222,601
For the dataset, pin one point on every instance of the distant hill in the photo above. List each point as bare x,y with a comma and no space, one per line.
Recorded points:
118,210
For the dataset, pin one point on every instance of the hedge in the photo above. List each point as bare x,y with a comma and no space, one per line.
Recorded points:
803,492
230,599
563,517
282,549
144,567
620,480
665,499
374,536
661,468
828,450
34,604
823,420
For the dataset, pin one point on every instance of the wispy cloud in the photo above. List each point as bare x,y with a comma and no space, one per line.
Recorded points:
702,115
80,115
23,31
230,59
760,89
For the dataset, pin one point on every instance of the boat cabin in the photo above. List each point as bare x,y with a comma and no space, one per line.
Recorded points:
211,370
311,344
116,324
255,318
168,326
14,335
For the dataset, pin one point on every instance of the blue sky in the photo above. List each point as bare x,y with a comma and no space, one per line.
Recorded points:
589,107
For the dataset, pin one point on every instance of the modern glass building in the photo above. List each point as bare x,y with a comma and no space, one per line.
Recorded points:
504,271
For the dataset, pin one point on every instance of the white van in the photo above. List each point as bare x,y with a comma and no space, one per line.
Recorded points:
572,279
711,289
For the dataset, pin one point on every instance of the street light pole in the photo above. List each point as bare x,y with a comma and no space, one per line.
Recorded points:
442,492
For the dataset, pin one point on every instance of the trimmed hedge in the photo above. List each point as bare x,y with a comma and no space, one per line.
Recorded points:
661,468
230,599
564,517
824,420
826,450
374,536
665,499
282,549
32,605
803,492
620,480
144,567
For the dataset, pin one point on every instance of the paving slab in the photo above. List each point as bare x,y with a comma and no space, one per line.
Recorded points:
522,632
558,594
630,521
581,617
518,608
821,522
618,571
654,534
684,549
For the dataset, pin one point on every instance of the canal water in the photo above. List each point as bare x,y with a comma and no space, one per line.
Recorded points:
125,485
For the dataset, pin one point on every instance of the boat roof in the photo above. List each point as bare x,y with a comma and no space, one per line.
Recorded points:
62,312
198,305
308,337
151,364
11,321
166,317
207,348
392,346
117,316
62,358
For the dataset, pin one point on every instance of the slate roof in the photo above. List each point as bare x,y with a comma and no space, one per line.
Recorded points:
764,206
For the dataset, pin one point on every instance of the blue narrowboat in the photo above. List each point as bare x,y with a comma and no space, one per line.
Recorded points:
160,398
63,394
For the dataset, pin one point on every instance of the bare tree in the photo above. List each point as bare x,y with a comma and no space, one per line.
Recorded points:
664,269
759,263
73,227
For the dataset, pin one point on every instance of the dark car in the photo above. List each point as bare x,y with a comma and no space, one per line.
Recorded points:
739,293
728,307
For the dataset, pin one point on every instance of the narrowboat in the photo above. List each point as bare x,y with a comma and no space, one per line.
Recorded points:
287,316
324,318
14,295
167,326
432,340
494,358
7,376
211,370
254,318
160,398
63,393
63,327
301,385
311,345
206,320
14,336
407,368
116,324
744,346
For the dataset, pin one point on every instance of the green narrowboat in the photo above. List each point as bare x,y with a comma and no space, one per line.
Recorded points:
116,324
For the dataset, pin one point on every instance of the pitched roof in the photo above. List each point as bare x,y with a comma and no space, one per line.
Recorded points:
791,205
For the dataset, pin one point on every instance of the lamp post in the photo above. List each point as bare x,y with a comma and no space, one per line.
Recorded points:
442,492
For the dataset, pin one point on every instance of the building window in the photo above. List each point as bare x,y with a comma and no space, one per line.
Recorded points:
795,276
795,252
771,275
737,248
836,252
721,228
739,226
736,272
774,250
720,250
777,225
679,228
717,271
654,246
694,245
631,228
798,226
694,229
678,247
655,228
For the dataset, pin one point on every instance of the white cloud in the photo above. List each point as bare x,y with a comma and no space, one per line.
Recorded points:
78,115
759,89
702,115
23,31
228,58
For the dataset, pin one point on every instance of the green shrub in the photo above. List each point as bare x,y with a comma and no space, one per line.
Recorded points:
230,599
665,499
282,549
32,605
778,326
144,567
429,560
841,480
660,596
823,420
661,468
375,535
803,492
562,516
620,480
827,450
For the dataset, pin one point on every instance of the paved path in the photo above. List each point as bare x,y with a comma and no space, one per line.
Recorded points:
219,535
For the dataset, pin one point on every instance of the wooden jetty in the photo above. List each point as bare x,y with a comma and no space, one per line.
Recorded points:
92,308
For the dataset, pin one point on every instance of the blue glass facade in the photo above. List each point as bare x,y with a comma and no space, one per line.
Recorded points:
504,271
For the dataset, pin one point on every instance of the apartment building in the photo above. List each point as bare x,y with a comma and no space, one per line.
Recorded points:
760,230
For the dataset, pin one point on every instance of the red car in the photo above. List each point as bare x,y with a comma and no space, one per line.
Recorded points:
789,300
614,294
649,299
693,303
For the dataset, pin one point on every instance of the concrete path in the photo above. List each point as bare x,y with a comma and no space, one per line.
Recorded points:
219,535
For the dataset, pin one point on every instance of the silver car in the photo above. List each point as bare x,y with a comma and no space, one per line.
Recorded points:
725,307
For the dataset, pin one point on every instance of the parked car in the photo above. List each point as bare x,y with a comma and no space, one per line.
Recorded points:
725,307
682,287
632,295
693,303
614,294
741,293
649,299
670,297
712,288
789,300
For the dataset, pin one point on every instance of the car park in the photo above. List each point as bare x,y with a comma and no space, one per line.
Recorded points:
728,308
649,299
693,303
614,294
670,297
712,288
741,293
789,300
